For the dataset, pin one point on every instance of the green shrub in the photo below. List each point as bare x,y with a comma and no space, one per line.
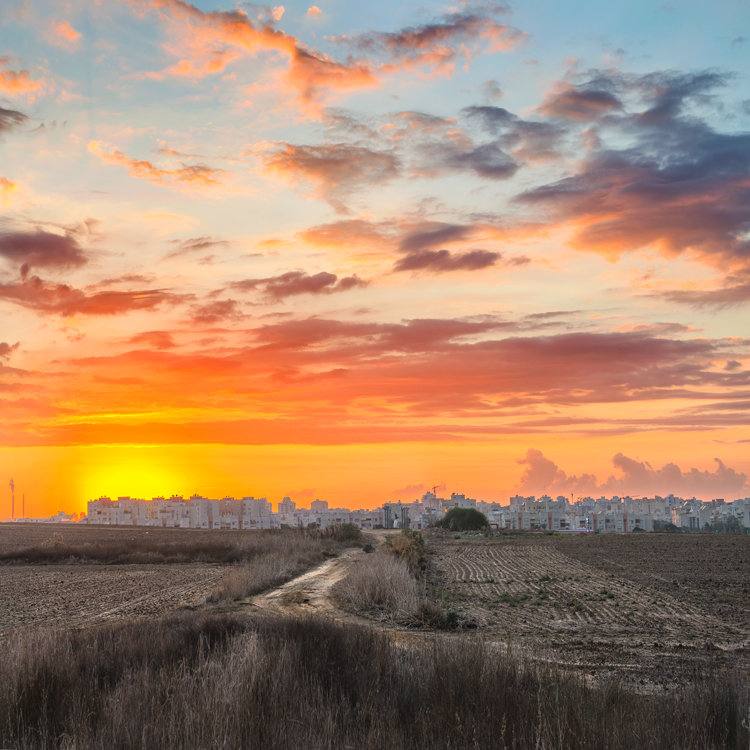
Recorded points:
463,519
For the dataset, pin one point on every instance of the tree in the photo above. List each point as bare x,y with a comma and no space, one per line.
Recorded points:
463,519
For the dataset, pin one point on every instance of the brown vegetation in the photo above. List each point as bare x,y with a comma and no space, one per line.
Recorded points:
147,546
390,584
381,584
643,607
198,681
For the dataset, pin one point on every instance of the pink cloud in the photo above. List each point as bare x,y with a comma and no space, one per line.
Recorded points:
62,34
195,175
61,299
541,475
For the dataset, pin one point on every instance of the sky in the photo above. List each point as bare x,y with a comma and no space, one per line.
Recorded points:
356,250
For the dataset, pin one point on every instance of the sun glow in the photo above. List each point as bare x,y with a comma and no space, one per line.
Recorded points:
134,470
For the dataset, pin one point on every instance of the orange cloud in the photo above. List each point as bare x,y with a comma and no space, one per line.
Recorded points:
60,299
314,11
314,75
329,381
436,46
202,40
19,82
63,35
8,191
195,175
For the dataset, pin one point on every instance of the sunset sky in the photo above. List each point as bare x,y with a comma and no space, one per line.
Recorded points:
353,250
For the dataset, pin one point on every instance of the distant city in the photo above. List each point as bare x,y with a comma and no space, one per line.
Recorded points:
563,514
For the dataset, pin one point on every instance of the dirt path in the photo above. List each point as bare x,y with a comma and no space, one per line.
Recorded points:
539,603
310,592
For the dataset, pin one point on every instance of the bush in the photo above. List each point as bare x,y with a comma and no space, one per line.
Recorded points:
205,682
409,547
381,582
463,519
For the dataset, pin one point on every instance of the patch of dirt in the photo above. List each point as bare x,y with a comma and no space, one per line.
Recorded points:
16,536
591,607
74,596
310,593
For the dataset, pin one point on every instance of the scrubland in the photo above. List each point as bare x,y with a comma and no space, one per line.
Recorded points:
197,680
446,645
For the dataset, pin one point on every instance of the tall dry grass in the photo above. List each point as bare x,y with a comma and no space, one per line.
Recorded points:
390,584
208,682
207,547
381,583
294,552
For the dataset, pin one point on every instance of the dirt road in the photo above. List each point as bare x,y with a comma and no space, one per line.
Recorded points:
310,593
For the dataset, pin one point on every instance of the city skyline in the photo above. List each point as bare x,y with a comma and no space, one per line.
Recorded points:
339,251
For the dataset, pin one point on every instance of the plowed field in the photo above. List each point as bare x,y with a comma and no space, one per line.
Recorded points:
624,604
63,596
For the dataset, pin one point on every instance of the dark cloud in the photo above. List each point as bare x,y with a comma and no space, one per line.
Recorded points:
488,160
434,234
7,349
11,118
61,299
439,261
493,118
527,140
216,312
298,282
580,104
41,250
439,44
336,169
682,188
153,340
668,92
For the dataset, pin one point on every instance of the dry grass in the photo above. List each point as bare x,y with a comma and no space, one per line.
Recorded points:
196,681
381,583
272,567
389,585
151,547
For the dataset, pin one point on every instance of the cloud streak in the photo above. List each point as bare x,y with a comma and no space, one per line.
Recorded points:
61,299
293,283
198,176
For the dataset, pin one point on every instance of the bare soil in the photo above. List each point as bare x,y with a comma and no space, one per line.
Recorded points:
310,593
75,596
16,536
654,610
